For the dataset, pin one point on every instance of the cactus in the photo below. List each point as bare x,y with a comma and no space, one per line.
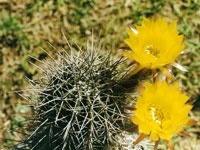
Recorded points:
79,103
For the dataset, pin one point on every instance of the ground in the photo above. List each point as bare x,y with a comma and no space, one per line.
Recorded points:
27,26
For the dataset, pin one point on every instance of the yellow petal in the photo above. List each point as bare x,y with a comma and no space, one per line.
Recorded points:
191,122
135,120
135,70
166,72
154,136
128,55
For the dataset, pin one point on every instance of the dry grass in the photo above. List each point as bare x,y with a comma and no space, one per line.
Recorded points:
25,26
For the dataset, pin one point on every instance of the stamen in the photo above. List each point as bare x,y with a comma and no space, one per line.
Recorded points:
158,115
151,50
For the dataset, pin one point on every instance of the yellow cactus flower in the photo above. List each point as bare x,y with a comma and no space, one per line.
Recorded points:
161,111
154,45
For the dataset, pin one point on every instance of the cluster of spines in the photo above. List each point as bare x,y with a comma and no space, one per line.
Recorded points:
79,103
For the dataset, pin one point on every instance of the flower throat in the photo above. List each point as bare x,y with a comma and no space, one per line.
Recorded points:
151,50
158,115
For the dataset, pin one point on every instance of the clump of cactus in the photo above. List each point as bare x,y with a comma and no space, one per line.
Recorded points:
79,104
82,95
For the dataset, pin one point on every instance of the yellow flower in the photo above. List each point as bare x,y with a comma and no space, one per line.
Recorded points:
154,44
161,111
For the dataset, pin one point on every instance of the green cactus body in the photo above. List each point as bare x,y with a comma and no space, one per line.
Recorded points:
79,105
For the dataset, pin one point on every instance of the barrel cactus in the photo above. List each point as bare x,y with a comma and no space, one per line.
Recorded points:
79,104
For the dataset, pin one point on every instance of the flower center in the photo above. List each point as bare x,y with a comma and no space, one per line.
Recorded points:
151,50
158,115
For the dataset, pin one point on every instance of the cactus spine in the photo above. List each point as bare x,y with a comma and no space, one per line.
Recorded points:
79,103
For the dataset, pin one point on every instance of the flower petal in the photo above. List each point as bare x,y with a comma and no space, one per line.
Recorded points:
135,70
179,66
128,55
191,122
154,136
